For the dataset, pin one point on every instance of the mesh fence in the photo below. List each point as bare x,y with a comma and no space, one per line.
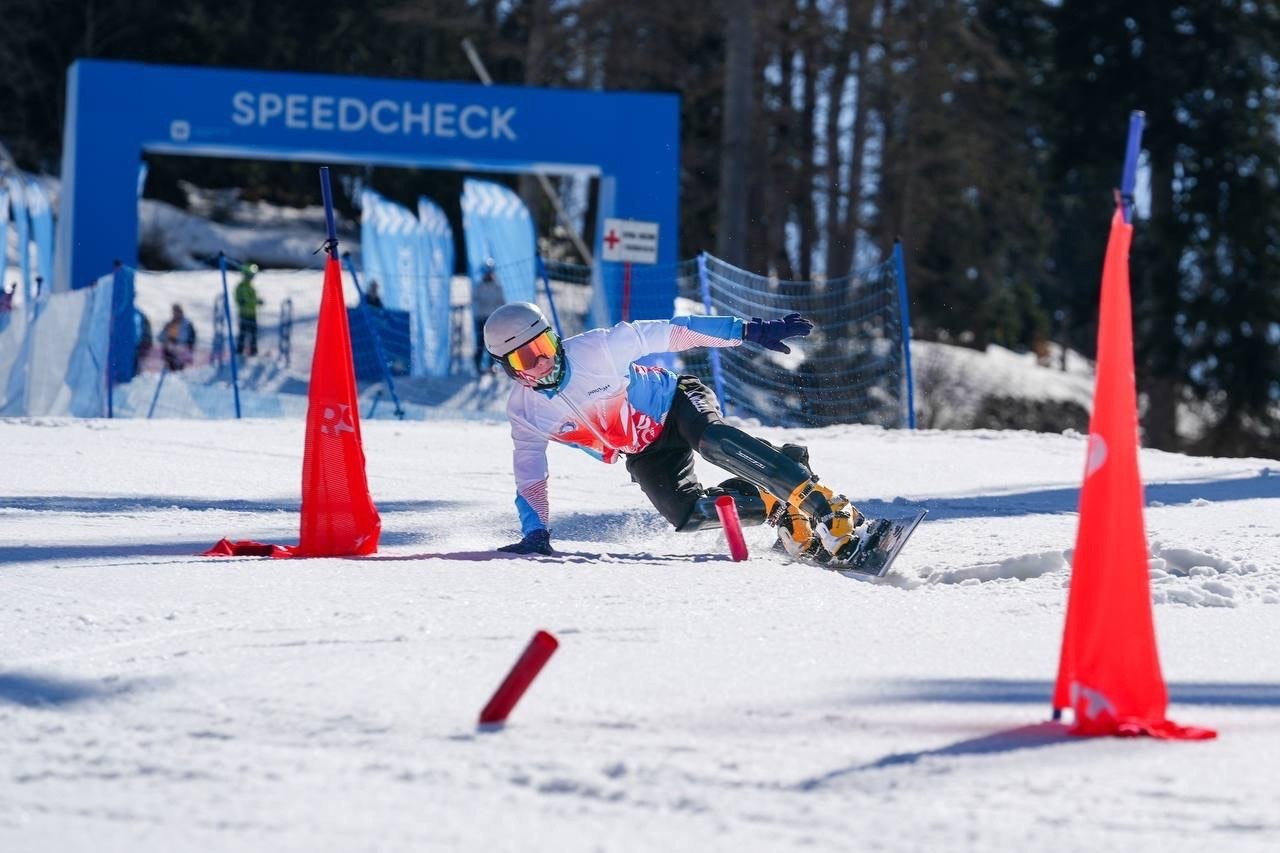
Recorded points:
853,369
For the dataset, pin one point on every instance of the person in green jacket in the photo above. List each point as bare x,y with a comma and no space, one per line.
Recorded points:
247,303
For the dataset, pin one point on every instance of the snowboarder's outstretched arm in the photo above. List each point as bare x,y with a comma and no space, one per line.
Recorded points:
630,341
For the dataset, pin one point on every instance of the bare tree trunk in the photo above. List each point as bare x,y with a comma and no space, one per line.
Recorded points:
735,131
861,13
837,236
1157,373
780,162
803,192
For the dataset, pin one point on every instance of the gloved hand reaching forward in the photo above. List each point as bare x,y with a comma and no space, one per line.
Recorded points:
534,542
770,333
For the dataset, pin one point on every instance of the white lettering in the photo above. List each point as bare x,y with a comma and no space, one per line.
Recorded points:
299,111
501,121
378,108
270,105
411,118
322,112
445,119
242,106
464,121
345,107
295,114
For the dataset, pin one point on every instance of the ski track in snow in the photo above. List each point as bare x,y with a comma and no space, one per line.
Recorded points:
154,700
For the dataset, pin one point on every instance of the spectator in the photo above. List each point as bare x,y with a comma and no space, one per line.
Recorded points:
247,303
371,297
486,297
178,340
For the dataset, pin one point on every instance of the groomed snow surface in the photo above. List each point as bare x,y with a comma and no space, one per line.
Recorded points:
152,700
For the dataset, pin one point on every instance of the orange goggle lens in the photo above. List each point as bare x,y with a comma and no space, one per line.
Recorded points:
526,357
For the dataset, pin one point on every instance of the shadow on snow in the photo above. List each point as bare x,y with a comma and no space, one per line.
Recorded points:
1265,484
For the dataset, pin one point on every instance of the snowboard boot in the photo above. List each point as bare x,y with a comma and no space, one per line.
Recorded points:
836,523
795,534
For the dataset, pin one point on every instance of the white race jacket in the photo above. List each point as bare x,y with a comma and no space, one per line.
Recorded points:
606,405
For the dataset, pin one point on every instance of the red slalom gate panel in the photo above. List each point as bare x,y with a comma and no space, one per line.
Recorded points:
728,512
535,656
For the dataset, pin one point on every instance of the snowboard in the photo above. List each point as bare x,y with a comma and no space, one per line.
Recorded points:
885,539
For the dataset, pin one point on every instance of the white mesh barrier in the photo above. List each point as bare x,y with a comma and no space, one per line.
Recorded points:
53,358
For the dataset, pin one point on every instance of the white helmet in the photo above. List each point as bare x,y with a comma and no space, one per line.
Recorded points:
511,327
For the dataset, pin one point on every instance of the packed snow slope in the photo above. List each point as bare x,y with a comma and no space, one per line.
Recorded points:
153,700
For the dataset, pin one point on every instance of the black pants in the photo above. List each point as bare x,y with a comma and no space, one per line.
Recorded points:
664,469
481,352
248,342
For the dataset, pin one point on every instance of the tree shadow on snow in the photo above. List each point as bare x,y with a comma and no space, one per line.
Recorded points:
45,691
135,503
1265,484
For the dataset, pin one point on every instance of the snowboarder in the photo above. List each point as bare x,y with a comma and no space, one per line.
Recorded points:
588,392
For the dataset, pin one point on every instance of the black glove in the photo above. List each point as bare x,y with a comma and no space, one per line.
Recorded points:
770,333
536,542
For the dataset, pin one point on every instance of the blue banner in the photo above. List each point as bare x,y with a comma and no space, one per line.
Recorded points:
22,224
432,304
40,212
496,225
390,252
124,331
260,115
4,235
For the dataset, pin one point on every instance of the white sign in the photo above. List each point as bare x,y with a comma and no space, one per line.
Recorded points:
630,240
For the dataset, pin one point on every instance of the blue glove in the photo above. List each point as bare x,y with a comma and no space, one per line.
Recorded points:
770,333
535,542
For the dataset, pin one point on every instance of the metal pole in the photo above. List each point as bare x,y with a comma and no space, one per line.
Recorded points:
551,300
900,269
483,73
377,340
717,376
231,334
331,245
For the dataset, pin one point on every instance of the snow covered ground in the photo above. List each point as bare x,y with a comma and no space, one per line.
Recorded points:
155,700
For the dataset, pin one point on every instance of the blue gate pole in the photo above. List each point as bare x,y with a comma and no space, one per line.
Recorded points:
900,269
231,334
551,300
156,396
1130,175
377,340
111,344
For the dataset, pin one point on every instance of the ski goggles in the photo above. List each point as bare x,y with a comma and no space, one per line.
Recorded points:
526,357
